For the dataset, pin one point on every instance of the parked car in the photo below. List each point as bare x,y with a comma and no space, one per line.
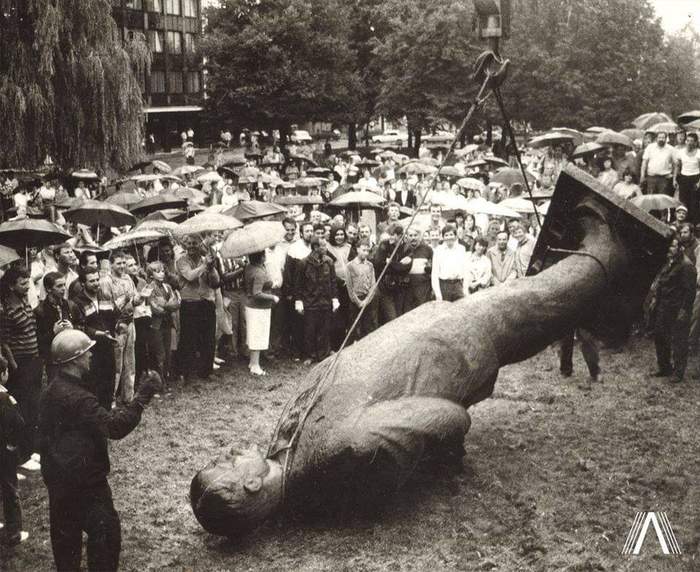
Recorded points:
301,136
439,137
390,136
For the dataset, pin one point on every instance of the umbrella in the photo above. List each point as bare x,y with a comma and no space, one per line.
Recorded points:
611,137
249,172
576,135
417,168
520,205
310,182
255,237
91,212
162,166
319,172
388,154
466,149
309,160
85,174
69,203
509,177
7,256
471,183
482,206
590,148
271,163
190,194
250,210
168,215
550,139
187,170
144,178
208,222
233,163
476,163
162,225
138,236
450,171
253,155
357,198
158,202
367,164
123,199
692,125
654,202
19,234
647,120
596,129
209,177
299,200
495,160
688,117
421,222
138,166
665,127
633,133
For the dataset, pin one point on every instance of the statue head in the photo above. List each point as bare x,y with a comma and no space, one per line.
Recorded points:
236,492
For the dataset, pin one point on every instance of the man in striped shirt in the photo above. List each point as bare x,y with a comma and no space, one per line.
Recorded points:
21,348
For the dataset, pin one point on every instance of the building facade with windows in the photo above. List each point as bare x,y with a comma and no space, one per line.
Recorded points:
173,91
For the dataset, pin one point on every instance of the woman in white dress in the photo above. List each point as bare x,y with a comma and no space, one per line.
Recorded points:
478,274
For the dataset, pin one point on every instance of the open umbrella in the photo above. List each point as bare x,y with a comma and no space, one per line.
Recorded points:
7,256
138,166
358,198
368,164
138,236
550,139
576,135
633,133
665,127
656,202
174,215
209,177
470,148
319,172
299,200
146,178
688,117
158,202
208,222
482,206
187,170
85,174
614,138
417,168
451,171
590,148
69,203
161,225
471,183
520,205
19,234
310,182
692,125
190,194
647,120
476,163
253,155
124,199
162,166
509,177
254,237
249,172
492,160
271,163
308,160
251,210
91,212
596,129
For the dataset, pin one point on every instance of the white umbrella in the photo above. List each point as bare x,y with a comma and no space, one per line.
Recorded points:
208,222
209,177
139,236
187,169
471,183
357,198
482,206
254,237
520,205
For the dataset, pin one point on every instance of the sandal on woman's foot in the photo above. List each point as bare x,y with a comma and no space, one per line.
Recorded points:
258,371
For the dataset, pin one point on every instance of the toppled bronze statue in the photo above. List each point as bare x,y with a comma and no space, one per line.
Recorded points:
356,432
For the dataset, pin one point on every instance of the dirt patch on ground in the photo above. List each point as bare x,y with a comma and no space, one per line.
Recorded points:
552,481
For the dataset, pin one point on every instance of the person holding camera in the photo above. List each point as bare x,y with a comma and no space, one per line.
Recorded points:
74,430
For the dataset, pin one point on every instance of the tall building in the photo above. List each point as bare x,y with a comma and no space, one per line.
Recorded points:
174,90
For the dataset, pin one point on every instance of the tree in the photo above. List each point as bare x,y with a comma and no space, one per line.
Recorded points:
273,63
68,86
427,59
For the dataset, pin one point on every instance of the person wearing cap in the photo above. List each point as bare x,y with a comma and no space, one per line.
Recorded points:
74,429
681,216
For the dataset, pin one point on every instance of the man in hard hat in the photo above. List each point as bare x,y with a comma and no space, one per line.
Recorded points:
75,462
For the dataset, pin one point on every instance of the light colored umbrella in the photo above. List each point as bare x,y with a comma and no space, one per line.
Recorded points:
187,170
647,120
575,133
85,174
146,178
590,148
656,202
310,182
7,256
688,117
633,133
596,129
665,127
549,140
209,177
251,210
421,222
368,164
509,177
451,171
208,222
692,125
482,206
520,205
611,137
138,236
492,160
190,194
162,166
299,200
471,183
254,237
357,198
157,225
470,148
249,172
417,168
91,212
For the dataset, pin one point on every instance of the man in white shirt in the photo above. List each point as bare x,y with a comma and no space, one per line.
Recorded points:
657,167
687,176
449,267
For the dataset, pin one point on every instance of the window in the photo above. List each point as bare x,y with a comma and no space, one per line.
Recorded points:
174,42
157,82
174,82
172,7
155,41
134,4
190,47
154,6
193,82
189,8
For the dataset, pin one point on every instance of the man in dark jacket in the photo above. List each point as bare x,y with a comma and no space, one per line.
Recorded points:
419,289
53,314
391,294
671,310
316,297
75,462
11,428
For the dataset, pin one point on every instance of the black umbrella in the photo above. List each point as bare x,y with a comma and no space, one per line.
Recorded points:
251,210
91,212
20,234
157,203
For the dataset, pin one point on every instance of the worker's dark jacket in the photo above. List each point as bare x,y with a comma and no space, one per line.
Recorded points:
315,282
47,314
675,286
90,318
11,422
74,430
396,276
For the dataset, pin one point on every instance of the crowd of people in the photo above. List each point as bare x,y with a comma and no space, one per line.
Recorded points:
177,309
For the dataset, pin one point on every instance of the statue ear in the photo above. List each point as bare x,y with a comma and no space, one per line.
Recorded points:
253,484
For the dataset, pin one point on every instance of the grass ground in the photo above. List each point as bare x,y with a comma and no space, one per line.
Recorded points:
553,478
